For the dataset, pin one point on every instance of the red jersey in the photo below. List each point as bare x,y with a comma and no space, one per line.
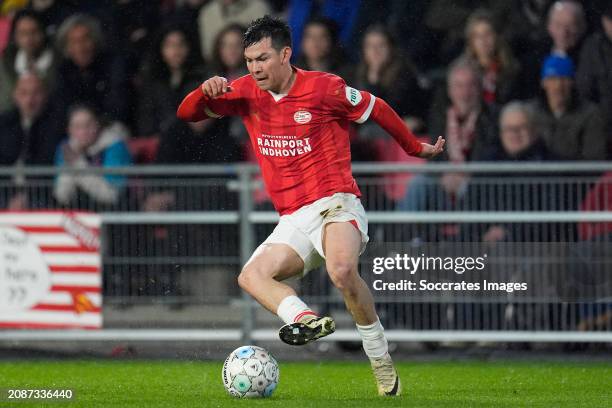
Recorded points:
301,139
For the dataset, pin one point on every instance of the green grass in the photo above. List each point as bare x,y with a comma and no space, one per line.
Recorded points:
326,384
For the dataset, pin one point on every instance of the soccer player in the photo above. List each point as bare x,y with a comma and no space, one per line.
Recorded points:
298,124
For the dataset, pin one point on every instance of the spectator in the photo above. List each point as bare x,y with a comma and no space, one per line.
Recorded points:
91,145
217,14
469,125
228,53
320,48
89,73
518,136
389,75
565,26
29,135
470,129
488,50
27,51
594,76
519,142
170,73
572,130
30,131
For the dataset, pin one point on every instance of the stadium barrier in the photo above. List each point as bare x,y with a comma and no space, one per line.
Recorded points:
173,244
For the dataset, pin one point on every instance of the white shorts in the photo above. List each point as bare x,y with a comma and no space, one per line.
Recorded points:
303,229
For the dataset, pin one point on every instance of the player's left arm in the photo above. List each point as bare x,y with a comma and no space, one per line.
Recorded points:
359,106
389,120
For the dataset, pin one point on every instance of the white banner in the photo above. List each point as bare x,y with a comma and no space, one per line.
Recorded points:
50,270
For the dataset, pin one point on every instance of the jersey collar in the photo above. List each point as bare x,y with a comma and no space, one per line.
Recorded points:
298,75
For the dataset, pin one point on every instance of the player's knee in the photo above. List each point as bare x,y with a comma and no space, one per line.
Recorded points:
248,276
342,274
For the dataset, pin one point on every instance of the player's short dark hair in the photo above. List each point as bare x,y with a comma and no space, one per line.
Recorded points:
277,30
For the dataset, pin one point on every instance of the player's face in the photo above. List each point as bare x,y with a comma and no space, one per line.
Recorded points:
267,65
516,132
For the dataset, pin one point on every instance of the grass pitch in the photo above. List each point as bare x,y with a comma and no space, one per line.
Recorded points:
327,384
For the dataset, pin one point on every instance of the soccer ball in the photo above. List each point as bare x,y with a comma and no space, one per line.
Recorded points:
250,372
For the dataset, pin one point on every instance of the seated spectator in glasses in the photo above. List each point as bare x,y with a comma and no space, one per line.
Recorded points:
28,51
29,135
594,78
511,192
169,74
320,49
486,49
572,129
91,145
518,136
88,73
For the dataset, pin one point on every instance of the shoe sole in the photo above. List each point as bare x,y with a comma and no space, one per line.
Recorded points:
298,334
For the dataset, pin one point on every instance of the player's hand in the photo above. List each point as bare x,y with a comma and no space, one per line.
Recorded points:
430,151
215,87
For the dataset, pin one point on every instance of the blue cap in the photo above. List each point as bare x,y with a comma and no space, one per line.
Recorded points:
557,66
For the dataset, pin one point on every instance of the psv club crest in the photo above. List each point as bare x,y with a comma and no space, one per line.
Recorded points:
302,116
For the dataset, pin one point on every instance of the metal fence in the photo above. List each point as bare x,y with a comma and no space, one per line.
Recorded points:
175,240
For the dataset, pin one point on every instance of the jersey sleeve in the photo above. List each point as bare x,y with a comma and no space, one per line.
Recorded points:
349,103
233,103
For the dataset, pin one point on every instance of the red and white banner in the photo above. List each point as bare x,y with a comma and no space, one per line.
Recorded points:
50,270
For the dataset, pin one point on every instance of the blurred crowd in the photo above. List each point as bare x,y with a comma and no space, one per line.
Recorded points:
97,83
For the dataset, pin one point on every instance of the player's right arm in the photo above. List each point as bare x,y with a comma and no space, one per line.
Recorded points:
214,98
